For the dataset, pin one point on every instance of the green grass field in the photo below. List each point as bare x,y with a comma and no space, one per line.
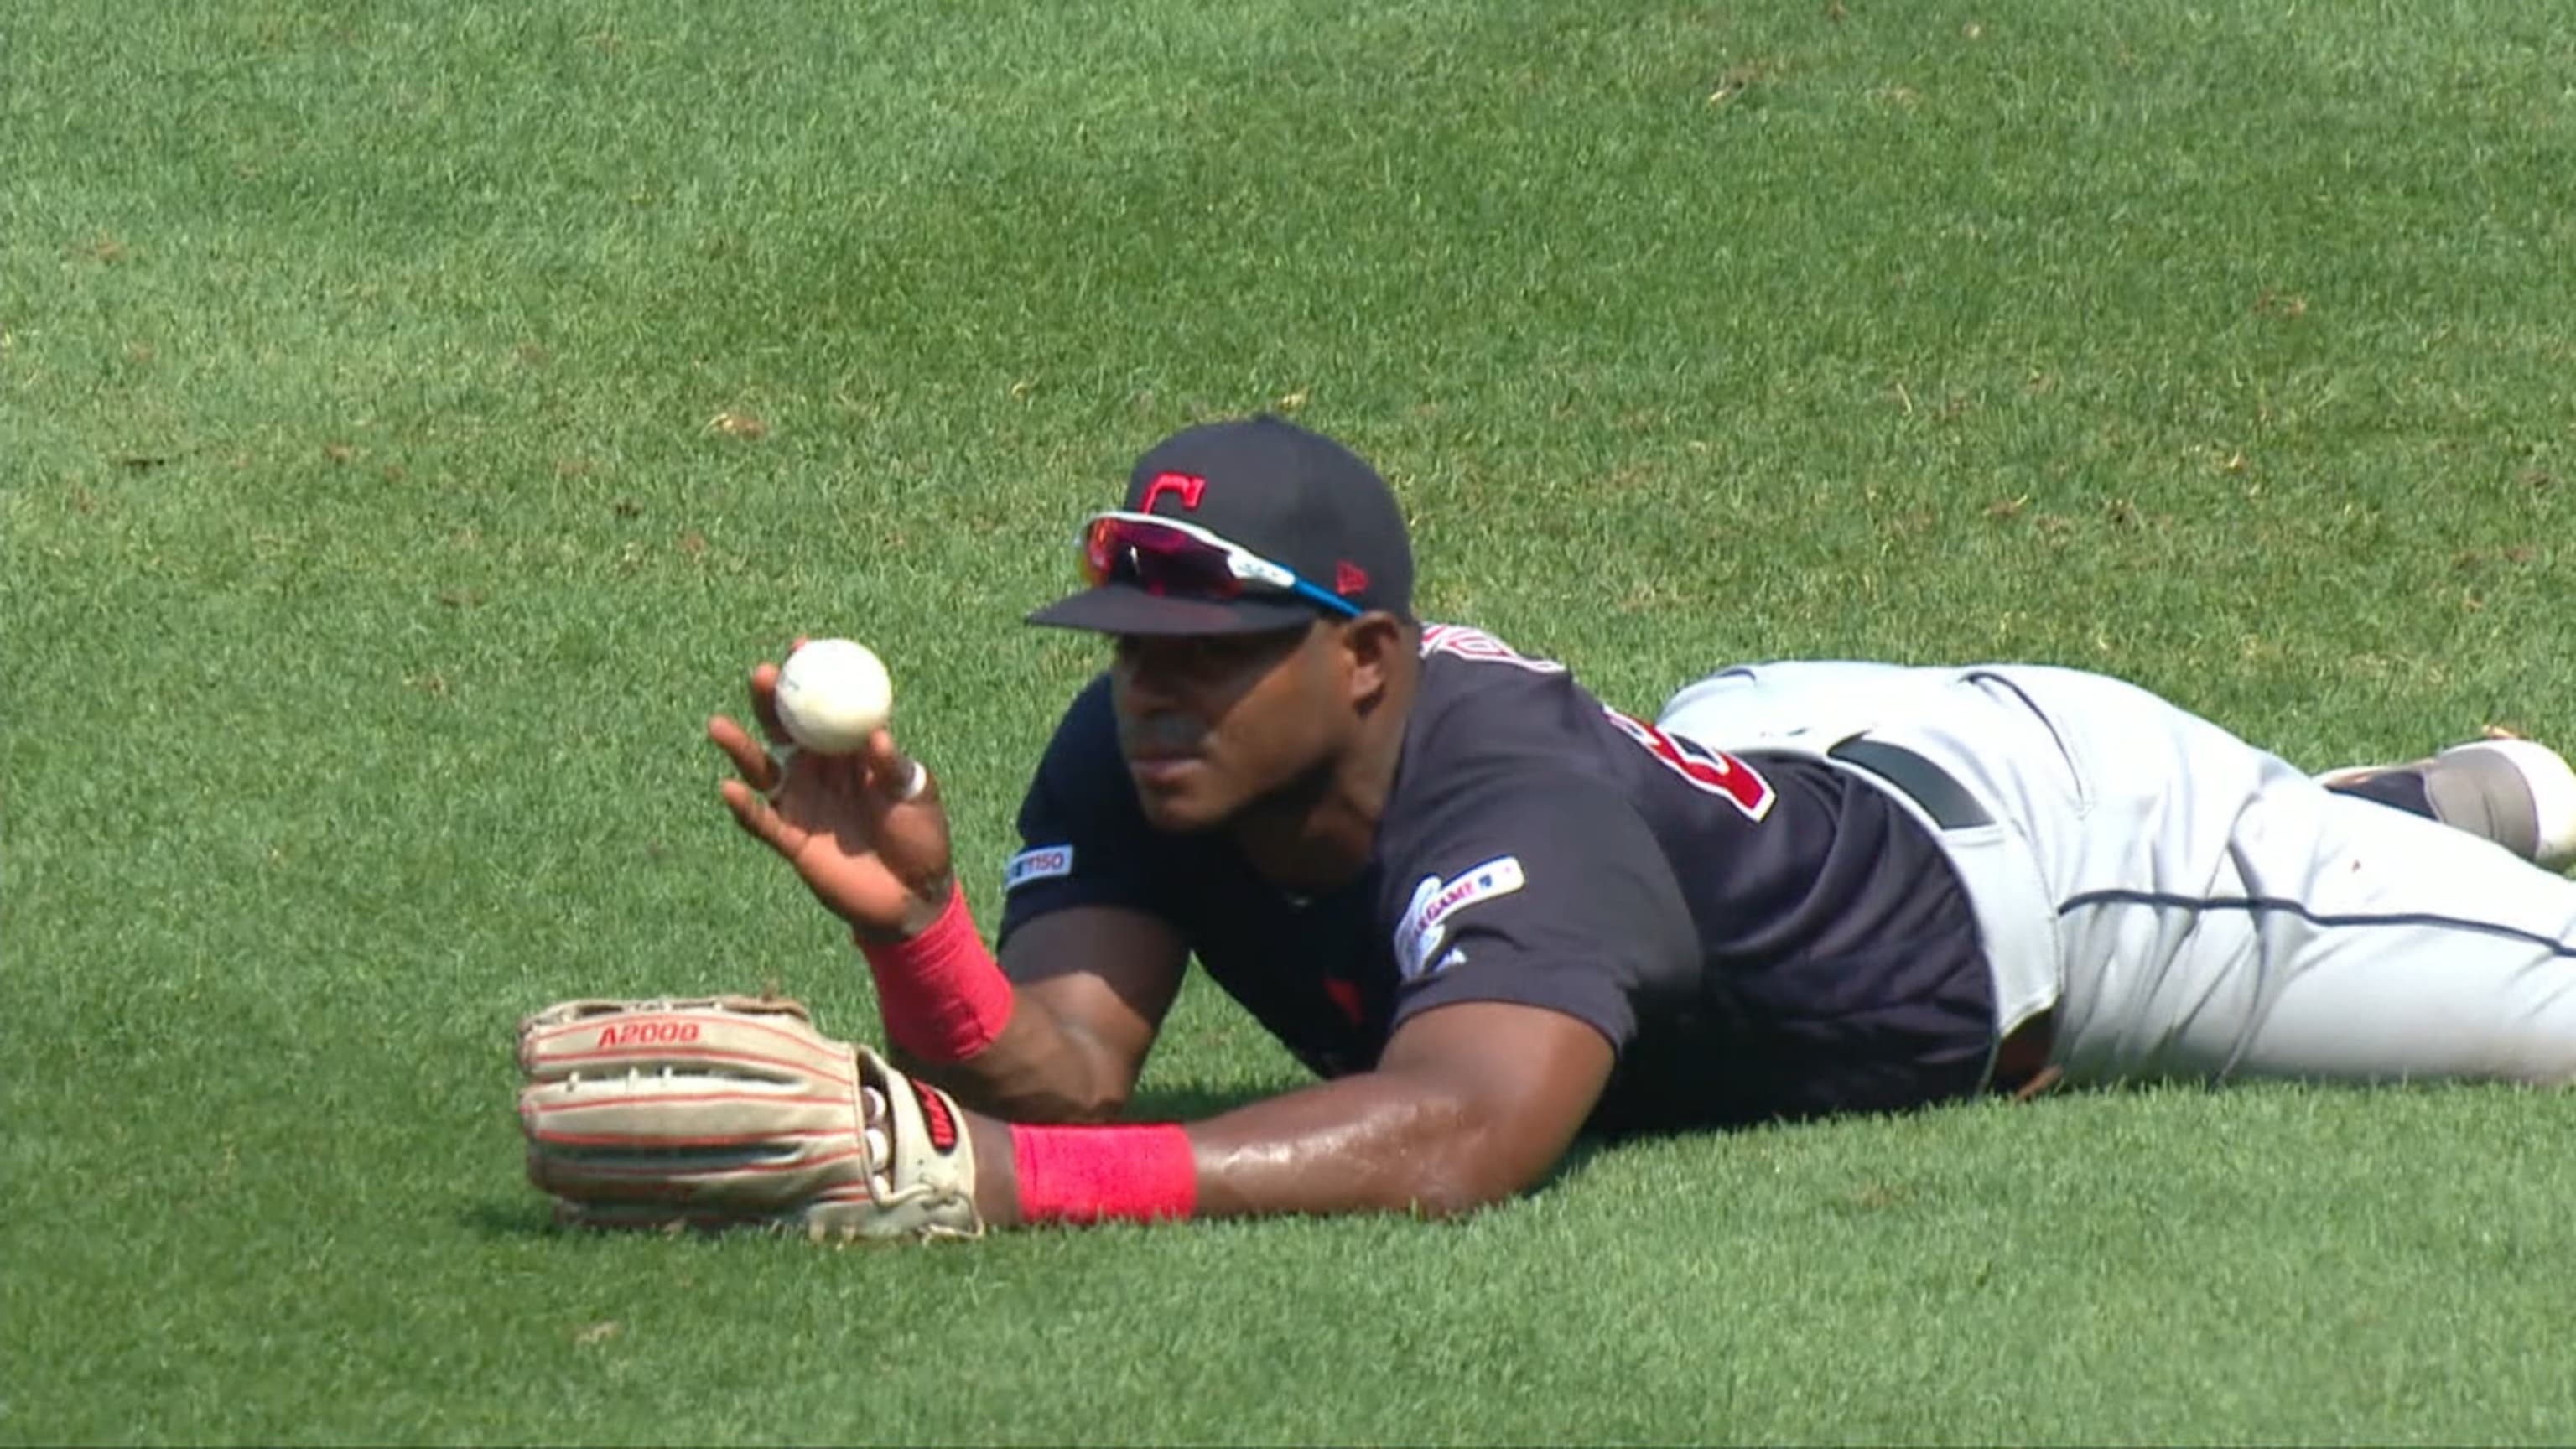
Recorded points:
415,418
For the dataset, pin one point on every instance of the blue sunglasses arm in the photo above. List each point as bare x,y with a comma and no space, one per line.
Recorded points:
1334,602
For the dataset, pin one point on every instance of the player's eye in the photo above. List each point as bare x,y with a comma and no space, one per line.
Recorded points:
1202,658
1182,656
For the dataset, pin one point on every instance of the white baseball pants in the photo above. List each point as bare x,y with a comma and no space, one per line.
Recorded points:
2188,905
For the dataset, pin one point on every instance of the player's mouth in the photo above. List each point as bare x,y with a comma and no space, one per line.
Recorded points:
1164,773
1160,749
1160,766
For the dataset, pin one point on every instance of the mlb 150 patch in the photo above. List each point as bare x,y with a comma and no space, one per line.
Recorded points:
1043,862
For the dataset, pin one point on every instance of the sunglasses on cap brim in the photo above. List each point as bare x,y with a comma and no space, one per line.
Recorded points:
1166,556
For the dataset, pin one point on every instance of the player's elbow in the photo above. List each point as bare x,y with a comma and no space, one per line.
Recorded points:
1445,1201
1479,1160
1098,1106
1071,1099
1500,1091
1068,1095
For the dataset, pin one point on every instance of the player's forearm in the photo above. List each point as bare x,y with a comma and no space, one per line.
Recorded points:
1365,1144
1039,1069
1368,1143
952,1018
1470,1104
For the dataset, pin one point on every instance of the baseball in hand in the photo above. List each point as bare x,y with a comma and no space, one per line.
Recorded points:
833,694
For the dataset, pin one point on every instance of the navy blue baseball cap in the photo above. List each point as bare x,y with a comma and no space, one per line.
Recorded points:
1237,527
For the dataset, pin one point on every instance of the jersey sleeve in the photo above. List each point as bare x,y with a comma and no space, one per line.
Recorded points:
1083,839
1551,894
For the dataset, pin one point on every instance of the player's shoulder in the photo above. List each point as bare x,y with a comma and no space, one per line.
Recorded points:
1080,778
1466,643
1543,832
1089,725
1496,735
1083,835
1484,707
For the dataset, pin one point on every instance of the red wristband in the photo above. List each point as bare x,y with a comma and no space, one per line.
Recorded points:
1100,1174
943,996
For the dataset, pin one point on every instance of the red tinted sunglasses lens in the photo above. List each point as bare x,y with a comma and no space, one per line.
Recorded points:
1162,560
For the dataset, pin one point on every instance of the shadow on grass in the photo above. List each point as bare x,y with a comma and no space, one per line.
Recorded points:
526,1215
1191,1102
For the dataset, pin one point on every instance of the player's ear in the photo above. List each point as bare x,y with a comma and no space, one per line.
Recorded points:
1373,647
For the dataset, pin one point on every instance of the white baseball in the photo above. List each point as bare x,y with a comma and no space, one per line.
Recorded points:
833,694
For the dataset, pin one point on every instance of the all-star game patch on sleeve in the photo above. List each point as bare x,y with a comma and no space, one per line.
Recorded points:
1552,894
1083,840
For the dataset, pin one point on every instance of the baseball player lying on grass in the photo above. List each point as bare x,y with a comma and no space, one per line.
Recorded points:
1492,913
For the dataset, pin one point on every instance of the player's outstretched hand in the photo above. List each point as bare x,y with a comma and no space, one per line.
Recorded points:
865,830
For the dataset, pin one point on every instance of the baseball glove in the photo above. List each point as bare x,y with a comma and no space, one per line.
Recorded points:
731,1111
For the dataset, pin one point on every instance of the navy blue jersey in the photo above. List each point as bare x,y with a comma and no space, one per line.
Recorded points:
1757,935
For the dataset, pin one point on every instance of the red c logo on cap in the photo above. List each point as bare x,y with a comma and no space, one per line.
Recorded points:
1349,578
1182,483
